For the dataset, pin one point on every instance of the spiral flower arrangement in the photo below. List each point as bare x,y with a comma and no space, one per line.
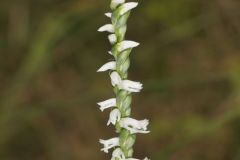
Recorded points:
120,106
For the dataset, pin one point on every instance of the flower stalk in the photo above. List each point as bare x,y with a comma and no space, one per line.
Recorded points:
125,126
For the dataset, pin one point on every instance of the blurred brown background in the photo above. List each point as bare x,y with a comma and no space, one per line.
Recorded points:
188,61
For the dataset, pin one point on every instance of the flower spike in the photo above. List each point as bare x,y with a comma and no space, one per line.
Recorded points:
120,106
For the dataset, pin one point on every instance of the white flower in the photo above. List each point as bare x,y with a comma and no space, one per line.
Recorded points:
108,144
127,85
112,38
127,7
107,28
110,52
115,79
107,104
118,154
109,15
131,86
134,126
108,66
114,117
126,45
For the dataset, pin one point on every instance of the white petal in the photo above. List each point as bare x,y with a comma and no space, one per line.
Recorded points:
131,86
107,104
126,45
108,144
110,52
108,66
107,28
114,117
109,15
112,38
115,78
127,7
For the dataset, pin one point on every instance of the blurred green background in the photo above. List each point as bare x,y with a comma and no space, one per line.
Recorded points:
188,61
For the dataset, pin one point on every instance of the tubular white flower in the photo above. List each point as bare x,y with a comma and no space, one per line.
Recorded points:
127,7
112,38
134,126
108,66
114,117
118,154
107,28
126,45
127,85
131,86
107,104
108,144
109,15
115,79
